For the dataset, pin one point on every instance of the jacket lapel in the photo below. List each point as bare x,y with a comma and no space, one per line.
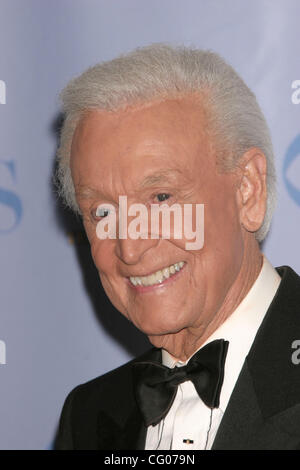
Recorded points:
264,409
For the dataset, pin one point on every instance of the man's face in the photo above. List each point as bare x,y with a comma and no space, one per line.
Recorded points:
159,153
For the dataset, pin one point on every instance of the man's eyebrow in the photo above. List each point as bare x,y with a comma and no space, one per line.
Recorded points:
85,192
153,179
159,177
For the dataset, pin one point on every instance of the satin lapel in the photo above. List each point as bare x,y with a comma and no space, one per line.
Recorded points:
242,417
264,409
126,432
243,426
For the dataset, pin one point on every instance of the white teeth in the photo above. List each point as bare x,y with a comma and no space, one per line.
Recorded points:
158,277
166,273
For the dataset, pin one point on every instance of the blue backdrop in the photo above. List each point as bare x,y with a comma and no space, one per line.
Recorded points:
56,327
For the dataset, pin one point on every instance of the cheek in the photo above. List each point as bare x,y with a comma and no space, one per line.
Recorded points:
96,253
115,295
223,250
214,267
102,254
222,224
223,234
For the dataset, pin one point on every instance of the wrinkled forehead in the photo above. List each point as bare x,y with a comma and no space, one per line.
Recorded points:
135,142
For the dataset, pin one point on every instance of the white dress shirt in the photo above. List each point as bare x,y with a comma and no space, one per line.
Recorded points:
189,418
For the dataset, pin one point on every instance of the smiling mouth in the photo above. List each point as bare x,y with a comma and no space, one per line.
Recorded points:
158,277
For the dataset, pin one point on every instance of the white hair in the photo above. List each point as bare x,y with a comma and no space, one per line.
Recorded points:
161,71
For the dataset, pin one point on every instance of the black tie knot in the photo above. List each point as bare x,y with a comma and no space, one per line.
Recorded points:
177,375
156,385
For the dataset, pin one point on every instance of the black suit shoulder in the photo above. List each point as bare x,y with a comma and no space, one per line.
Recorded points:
86,402
112,382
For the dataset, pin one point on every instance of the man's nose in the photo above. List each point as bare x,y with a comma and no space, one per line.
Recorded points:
131,251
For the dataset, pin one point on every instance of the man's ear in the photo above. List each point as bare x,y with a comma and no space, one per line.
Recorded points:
252,189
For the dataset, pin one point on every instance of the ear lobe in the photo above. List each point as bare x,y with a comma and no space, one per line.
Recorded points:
252,191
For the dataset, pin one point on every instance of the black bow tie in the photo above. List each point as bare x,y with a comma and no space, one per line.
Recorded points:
156,385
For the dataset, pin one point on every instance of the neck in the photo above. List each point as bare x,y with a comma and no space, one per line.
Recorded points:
185,343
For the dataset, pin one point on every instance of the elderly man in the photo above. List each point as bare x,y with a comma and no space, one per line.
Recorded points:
177,126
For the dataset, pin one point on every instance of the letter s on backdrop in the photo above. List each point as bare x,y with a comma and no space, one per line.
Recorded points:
10,200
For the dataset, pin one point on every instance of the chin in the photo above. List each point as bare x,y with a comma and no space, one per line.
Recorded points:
160,328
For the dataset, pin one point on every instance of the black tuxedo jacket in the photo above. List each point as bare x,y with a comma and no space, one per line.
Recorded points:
263,411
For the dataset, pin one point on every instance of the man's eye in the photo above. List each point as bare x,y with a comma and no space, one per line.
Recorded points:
102,212
163,196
